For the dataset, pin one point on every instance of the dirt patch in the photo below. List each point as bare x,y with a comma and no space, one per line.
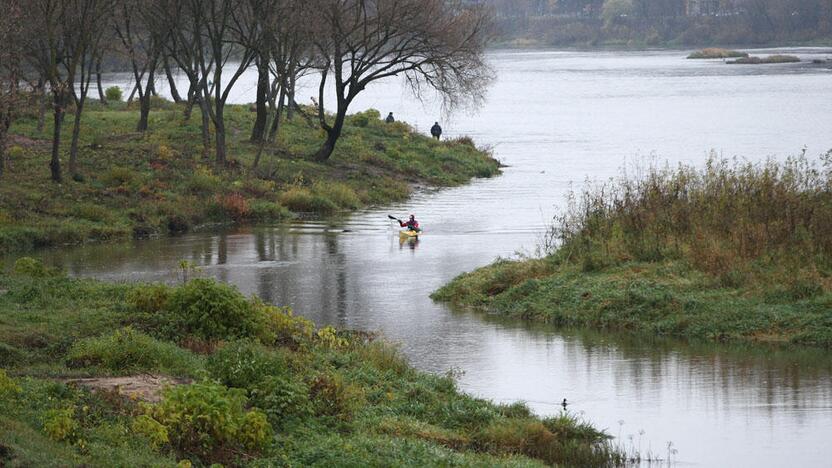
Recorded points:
26,142
137,387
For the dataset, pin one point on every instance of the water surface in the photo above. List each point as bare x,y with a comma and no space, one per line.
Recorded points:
555,118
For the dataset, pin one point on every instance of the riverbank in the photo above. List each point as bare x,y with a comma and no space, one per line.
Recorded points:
731,252
135,185
101,374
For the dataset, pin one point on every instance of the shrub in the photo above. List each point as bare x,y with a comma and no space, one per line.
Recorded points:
28,266
202,182
8,387
282,399
301,199
334,397
113,93
128,350
267,211
282,328
232,206
152,430
212,311
243,364
60,424
338,193
209,421
91,212
149,298
119,177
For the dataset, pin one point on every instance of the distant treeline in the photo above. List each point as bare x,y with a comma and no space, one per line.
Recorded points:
663,22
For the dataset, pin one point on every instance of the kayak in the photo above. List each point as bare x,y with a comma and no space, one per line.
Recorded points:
404,235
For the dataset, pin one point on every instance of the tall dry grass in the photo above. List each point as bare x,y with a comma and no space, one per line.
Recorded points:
727,217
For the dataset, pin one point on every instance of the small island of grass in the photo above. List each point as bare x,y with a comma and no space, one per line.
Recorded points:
717,53
724,253
766,60
100,375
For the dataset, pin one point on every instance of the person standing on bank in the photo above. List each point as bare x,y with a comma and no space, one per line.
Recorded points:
436,131
390,118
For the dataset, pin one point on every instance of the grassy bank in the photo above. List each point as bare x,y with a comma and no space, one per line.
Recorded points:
716,53
136,185
730,252
235,382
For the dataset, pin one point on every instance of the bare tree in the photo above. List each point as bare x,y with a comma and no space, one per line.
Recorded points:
437,44
86,24
212,45
61,43
142,37
10,69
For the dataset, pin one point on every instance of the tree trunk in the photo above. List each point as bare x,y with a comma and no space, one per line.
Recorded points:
259,130
144,112
332,135
219,134
41,96
76,133
290,113
4,128
278,112
189,105
133,93
206,134
101,96
55,162
174,92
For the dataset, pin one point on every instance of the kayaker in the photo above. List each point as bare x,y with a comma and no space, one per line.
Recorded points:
411,224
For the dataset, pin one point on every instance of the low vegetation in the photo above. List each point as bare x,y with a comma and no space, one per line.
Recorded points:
134,185
717,53
766,60
732,251
266,389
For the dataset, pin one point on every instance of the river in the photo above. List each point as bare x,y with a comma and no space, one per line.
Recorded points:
555,118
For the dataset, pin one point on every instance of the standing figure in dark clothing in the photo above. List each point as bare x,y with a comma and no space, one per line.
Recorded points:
436,131
390,118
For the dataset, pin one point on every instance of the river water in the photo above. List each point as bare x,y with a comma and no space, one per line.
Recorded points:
554,118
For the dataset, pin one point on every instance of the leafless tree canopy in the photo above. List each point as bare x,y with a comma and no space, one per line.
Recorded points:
433,44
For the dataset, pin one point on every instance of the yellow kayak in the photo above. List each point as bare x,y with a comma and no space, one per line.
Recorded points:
408,234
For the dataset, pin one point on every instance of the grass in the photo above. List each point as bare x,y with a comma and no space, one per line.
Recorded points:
284,394
135,185
717,53
730,252
766,60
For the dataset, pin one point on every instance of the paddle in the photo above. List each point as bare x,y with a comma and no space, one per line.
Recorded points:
395,219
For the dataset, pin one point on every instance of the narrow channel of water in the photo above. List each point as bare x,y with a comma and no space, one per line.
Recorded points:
556,118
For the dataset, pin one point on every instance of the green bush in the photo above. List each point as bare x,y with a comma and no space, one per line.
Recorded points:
60,424
202,182
282,328
119,177
209,422
91,212
127,351
243,364
113,93
8,387
338,193
301,199
149,298
265,211
28,266
332,396
212,311
282,399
